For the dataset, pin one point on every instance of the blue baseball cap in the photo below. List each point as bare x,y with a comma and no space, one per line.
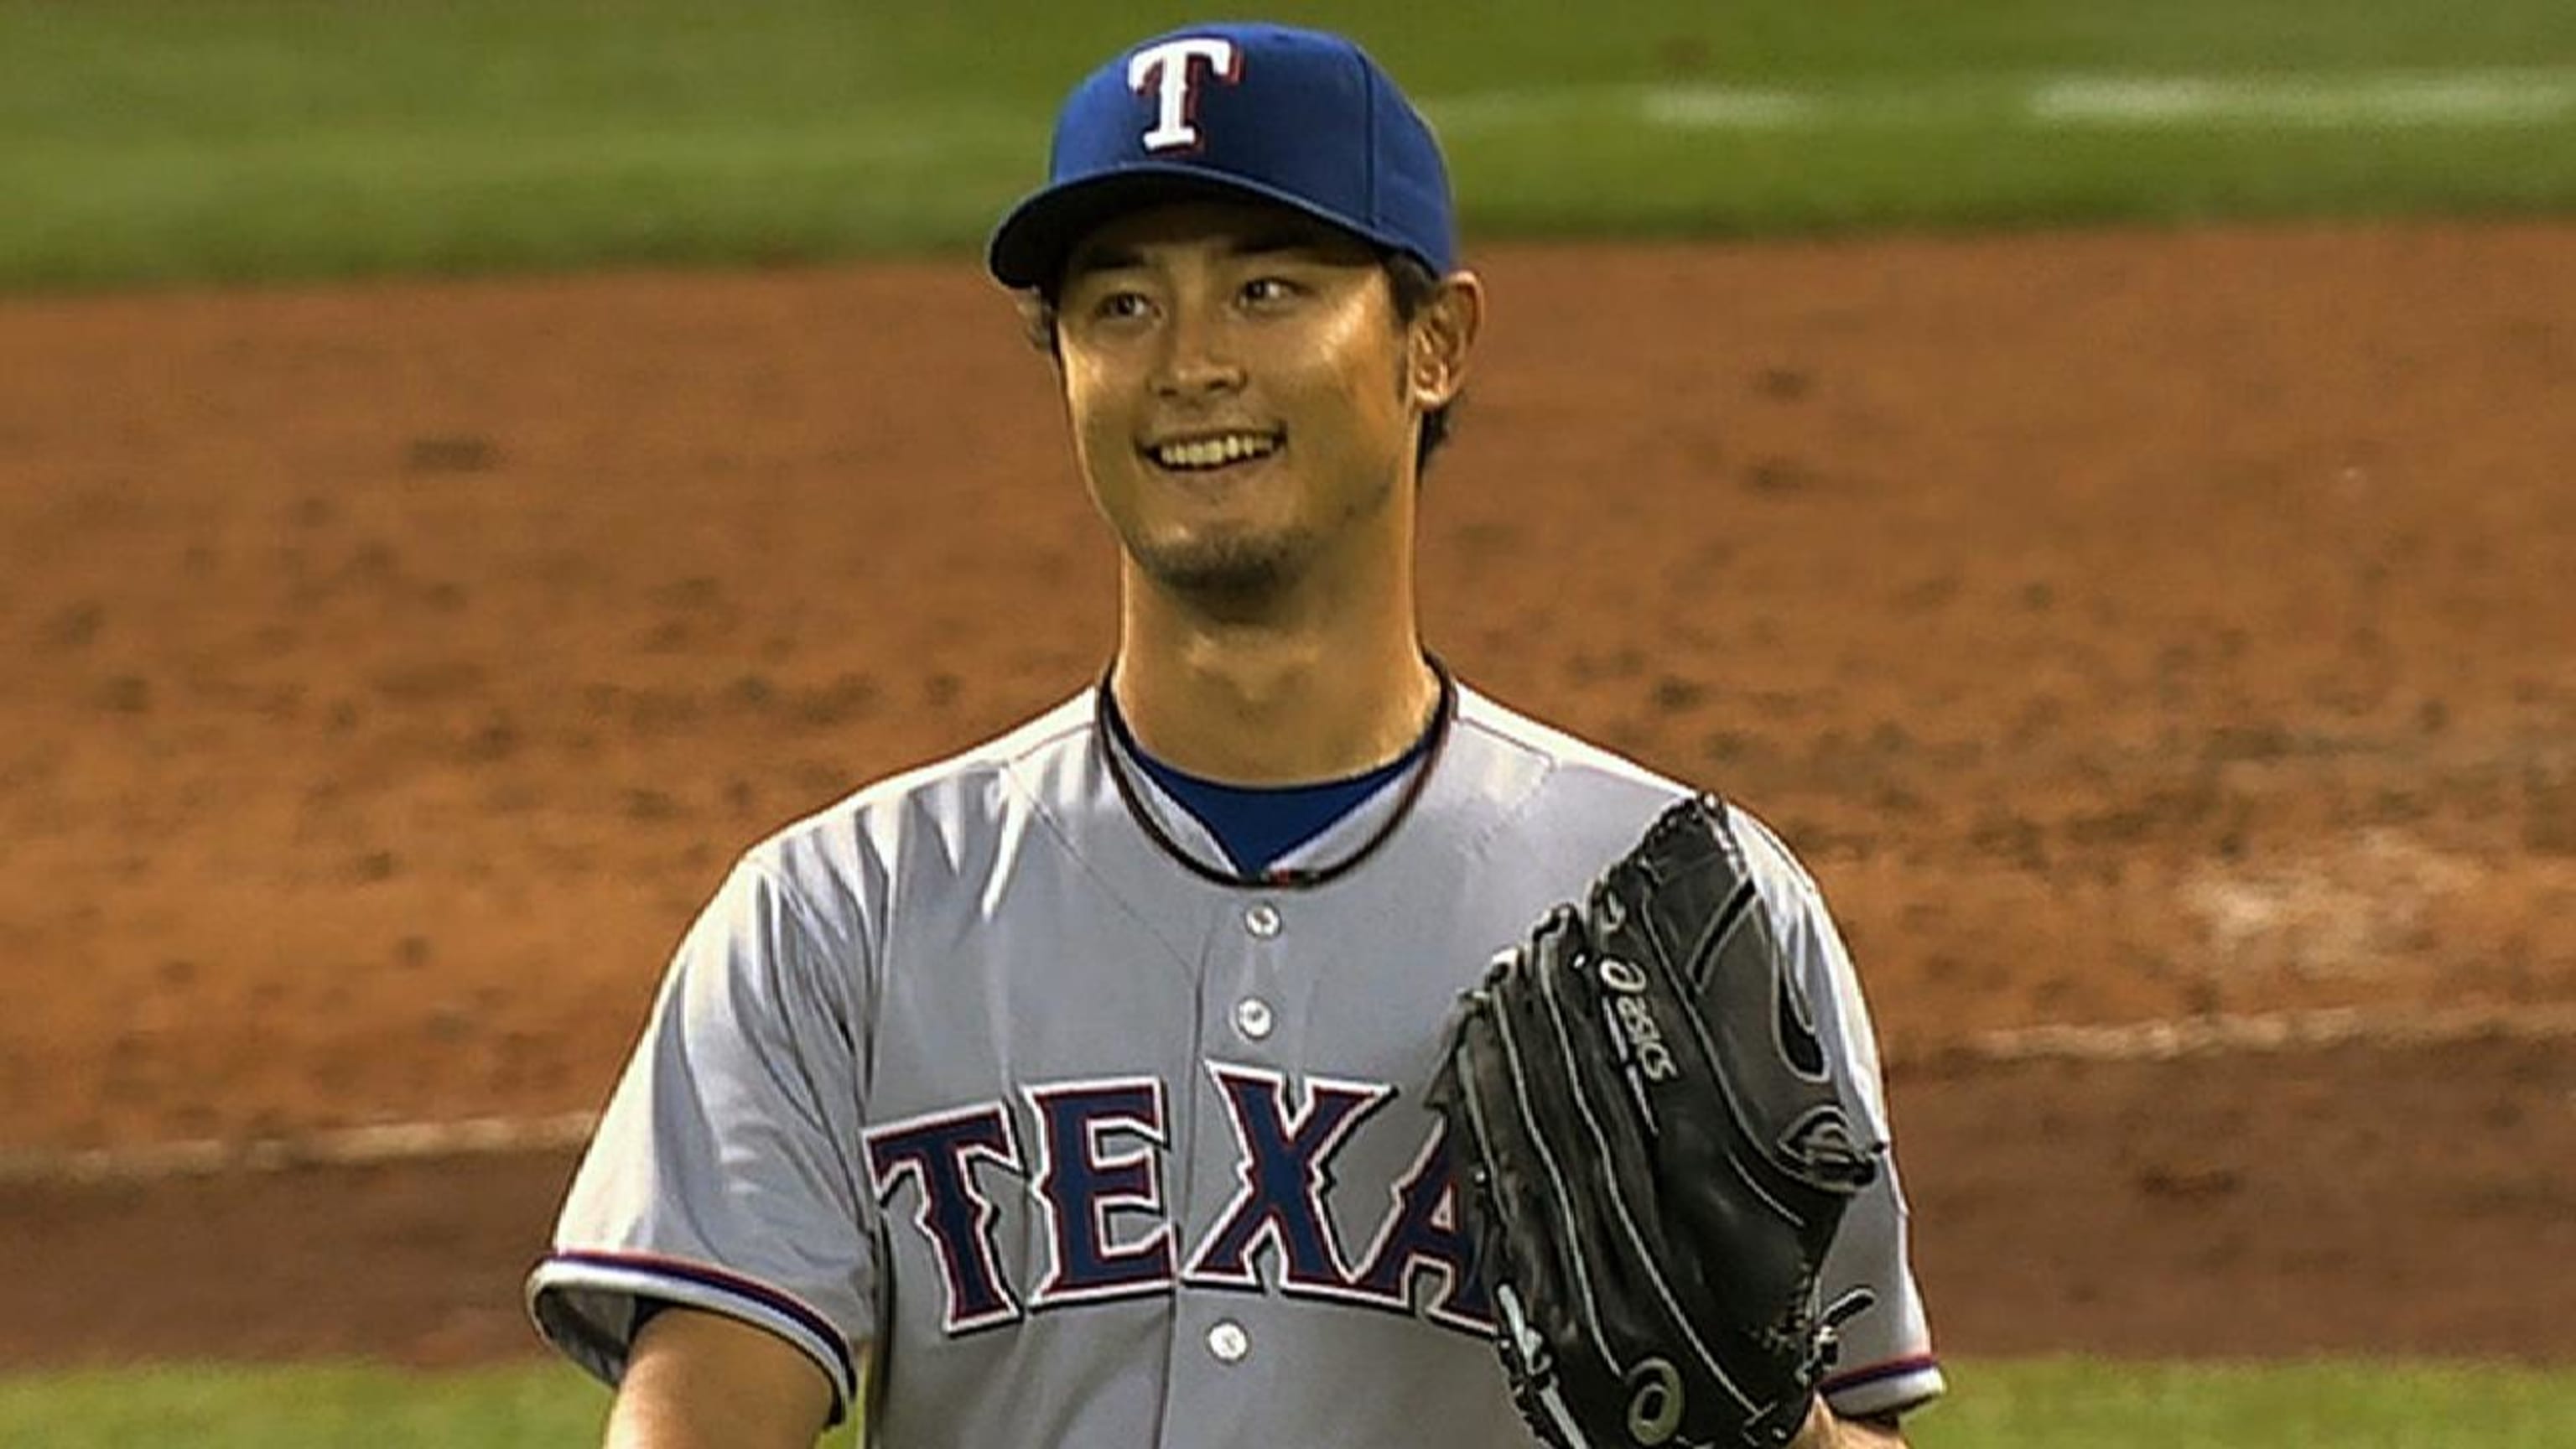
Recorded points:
1299,117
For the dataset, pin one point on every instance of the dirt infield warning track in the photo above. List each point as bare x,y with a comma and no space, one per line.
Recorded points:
2125,628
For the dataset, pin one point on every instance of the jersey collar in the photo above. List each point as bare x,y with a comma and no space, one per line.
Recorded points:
1132,791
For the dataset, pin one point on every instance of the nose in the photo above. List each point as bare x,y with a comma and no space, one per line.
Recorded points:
1199,358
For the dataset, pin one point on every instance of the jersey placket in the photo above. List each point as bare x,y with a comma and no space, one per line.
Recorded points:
1243,1094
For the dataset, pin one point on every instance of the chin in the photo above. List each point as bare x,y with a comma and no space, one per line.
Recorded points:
1235,570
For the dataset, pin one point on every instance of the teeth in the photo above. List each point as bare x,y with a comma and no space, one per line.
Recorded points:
1214,452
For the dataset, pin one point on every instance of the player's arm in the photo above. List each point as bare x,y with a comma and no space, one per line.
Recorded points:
720,1183
704,1381
1827,1430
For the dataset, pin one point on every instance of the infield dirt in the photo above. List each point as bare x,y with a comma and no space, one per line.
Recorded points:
2124,627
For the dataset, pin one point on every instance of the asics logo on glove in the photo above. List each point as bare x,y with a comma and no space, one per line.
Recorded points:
1644,1035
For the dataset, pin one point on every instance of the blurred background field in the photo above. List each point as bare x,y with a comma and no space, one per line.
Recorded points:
152,140
152,146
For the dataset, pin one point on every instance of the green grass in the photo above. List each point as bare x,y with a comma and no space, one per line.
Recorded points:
335,1407
304,1408
172,140
2065,1404
2073,1404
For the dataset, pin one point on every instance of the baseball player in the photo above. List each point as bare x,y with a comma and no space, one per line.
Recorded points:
1071,1092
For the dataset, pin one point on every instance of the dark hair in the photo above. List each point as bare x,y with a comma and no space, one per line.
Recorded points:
1410,282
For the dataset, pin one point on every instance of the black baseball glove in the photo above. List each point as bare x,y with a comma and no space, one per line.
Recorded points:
1653,1157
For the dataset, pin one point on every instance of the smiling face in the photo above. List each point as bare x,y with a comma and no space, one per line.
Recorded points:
1243,396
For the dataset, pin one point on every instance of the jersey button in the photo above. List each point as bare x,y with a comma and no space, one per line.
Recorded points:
1229,1342
1262,920
1252,1017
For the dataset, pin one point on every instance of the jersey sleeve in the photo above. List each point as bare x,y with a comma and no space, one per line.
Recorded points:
1886,1364
721,1175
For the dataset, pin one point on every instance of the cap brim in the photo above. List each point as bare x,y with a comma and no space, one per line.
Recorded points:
1030,247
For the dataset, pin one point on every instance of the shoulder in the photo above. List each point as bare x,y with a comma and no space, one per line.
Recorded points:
957,791
1572,776
1544,802
937,816
1558,772
1485,721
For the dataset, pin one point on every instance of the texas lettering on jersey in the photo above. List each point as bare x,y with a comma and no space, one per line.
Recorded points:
1090,1155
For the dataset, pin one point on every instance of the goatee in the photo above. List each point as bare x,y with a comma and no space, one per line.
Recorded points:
1228,577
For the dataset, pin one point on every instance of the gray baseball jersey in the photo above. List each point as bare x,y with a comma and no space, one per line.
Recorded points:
995,1074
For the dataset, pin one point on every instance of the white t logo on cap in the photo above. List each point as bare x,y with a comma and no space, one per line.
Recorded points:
1166,69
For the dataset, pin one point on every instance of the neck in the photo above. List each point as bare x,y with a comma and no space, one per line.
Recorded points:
1314,688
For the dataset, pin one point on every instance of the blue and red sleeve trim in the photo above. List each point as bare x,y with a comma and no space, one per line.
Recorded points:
1892,1369
1857,1381
785,1305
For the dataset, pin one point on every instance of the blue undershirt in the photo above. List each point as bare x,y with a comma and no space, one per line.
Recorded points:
1256,825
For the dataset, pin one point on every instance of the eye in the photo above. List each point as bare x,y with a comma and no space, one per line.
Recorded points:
1267,291
1111,305
1120,305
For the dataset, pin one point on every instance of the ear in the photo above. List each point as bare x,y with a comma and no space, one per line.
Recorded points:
1037,324
1441,336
